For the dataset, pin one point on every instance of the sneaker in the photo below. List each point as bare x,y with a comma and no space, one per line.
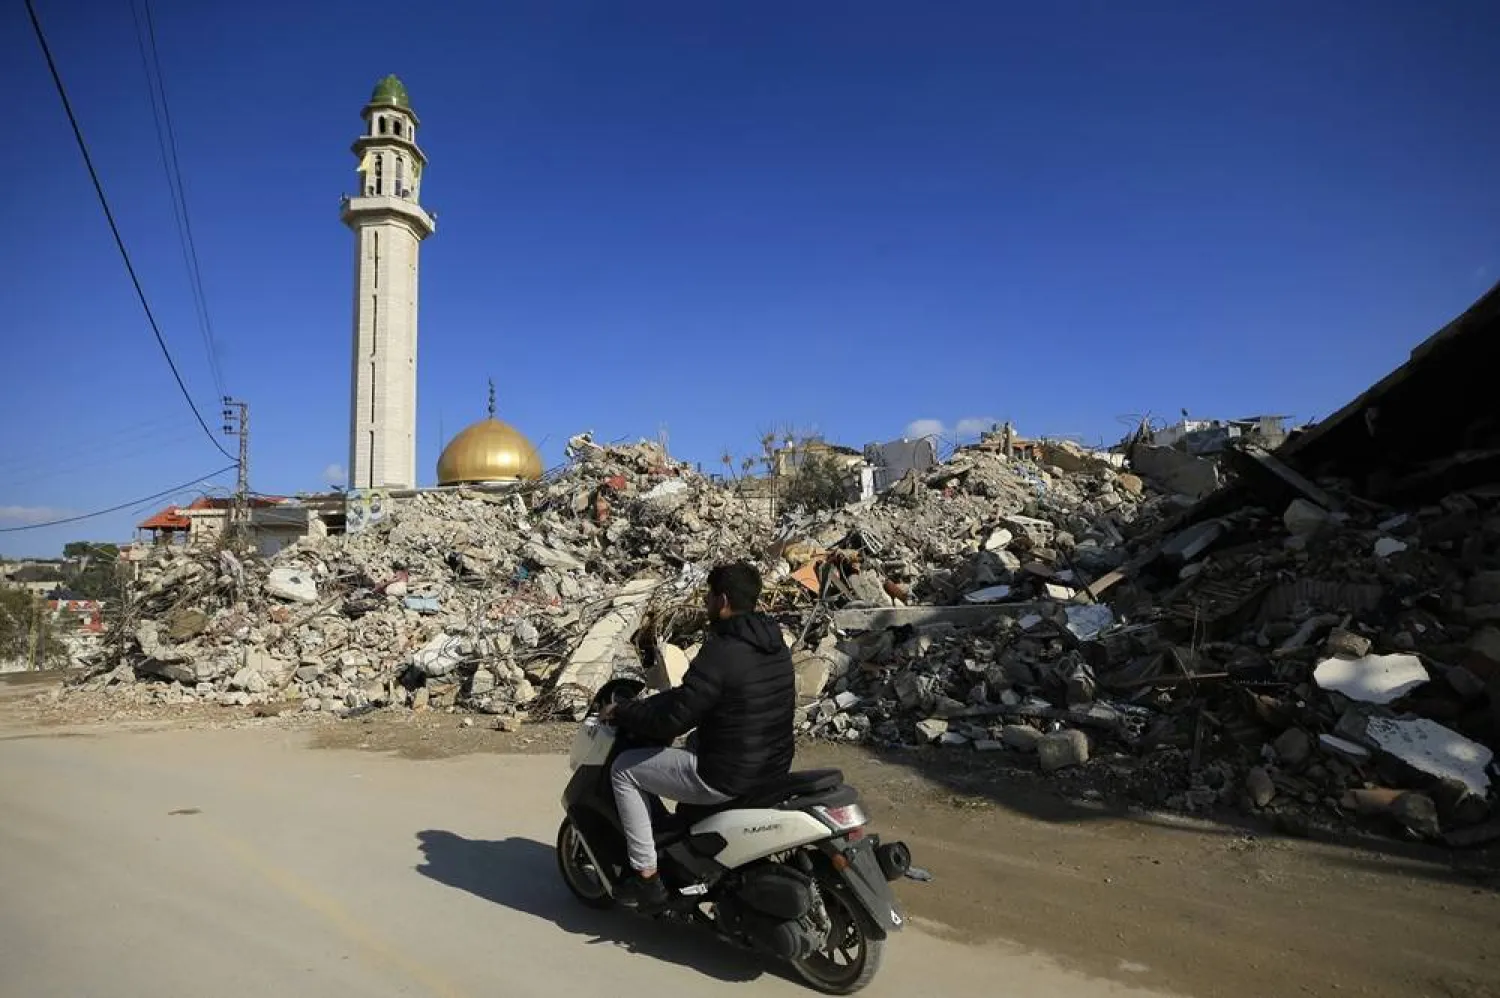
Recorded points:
641,892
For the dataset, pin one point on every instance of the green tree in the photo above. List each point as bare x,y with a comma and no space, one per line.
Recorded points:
820,482
97,574
26,631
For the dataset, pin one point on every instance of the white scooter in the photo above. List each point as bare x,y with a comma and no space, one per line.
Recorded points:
787,871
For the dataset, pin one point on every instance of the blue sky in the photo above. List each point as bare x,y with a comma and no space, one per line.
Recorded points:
722,217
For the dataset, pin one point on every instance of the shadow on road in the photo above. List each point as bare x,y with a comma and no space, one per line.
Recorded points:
1016,785
522,875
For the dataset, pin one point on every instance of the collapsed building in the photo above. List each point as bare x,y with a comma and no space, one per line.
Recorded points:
1317,638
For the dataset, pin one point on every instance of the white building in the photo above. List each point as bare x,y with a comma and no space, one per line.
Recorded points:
389,225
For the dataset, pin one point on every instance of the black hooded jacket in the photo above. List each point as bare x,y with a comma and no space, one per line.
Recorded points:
741,694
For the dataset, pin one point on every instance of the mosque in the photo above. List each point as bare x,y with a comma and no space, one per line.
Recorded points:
389,225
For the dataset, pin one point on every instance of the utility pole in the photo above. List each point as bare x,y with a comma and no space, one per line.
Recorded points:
237,423
36,633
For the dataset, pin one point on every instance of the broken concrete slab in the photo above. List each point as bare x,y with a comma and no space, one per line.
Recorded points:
998,540
549,557
1343,748
1372,679
1022,737
1039,531
592,663
1304,518
186,624
929,616
1190,544
812,674
292,584
1176,470
1275,468
869,589
674,663
248,680
666,491
1431,748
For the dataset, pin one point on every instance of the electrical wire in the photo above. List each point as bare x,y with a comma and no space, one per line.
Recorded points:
166,141
109,216
123,505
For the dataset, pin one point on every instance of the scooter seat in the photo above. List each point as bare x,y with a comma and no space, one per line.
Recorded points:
778,791
800,784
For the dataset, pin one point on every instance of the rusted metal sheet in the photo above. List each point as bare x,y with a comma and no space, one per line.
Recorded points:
1218,607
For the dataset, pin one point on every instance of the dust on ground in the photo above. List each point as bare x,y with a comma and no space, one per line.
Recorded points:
1200,908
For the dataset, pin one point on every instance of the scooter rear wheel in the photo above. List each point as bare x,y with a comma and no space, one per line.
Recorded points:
578,871
850,958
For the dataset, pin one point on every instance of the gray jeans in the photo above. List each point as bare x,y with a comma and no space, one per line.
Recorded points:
662,772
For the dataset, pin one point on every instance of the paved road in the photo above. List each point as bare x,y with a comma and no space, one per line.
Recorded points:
238,863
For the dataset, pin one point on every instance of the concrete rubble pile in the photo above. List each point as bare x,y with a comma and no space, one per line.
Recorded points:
493,601
1305,663
1323,652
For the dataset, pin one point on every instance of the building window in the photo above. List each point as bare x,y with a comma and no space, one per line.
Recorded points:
381,125
379,174
396,126
400,177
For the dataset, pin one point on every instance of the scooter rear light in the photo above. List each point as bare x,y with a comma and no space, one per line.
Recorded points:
842,819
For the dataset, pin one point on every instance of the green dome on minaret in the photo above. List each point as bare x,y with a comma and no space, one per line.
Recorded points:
391,91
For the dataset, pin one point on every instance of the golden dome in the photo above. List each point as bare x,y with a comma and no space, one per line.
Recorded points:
489,451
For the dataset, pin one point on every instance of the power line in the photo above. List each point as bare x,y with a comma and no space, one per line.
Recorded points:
88,162
123,505
166,141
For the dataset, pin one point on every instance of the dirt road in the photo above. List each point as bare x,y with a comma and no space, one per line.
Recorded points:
413,856
240,863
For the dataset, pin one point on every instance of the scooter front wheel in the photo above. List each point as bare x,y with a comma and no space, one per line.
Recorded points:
578,870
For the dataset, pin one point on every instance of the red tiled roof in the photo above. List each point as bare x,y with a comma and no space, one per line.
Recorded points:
167,519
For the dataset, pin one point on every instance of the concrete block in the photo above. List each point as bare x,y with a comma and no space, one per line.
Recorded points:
1021,737
932,729
1062,749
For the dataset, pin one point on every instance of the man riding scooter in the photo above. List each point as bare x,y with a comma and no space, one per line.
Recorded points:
739,694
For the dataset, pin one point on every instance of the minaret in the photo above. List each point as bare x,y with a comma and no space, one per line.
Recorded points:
389,225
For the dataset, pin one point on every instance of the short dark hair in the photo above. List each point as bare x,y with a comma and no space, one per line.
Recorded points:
738,582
